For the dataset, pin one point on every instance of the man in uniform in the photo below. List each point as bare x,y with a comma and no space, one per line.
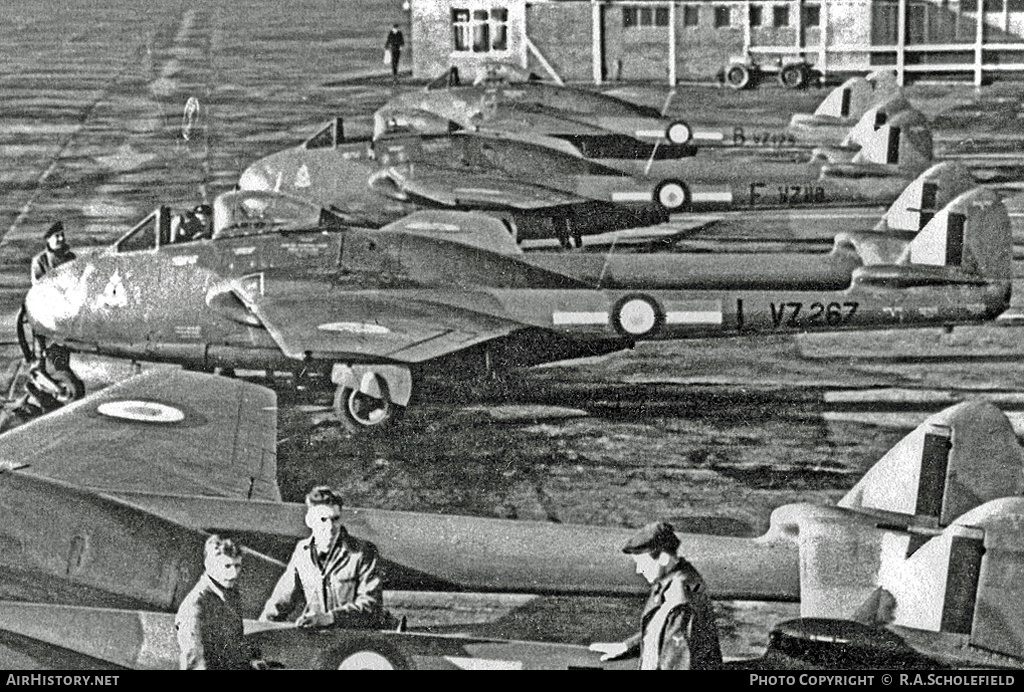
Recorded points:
336,574
677,627
393,45
56,253
209,623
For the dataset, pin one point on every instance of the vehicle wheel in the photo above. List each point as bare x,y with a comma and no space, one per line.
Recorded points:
678,132
70,386
738,76
672,195
364,655
793,76
361,413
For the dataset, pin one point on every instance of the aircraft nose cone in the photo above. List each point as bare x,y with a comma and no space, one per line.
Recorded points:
256,177
47,305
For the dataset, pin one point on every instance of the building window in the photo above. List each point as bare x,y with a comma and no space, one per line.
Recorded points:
780,16
812,15
644,16
723,17
480,31
755,15
691,15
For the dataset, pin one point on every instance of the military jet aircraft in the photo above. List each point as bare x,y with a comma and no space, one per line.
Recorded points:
739,178
123,485
576,197
108,503
578,121
375,310
380,181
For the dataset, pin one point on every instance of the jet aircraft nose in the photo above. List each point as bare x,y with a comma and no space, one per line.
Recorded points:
52,302
256,177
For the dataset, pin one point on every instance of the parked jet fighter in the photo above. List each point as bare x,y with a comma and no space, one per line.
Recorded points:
889,158
377,309
571,197
578,121
927,543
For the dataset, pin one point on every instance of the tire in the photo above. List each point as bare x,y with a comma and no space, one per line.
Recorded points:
793,77
364,654
678,132
672,195
363,414
738,76
72,387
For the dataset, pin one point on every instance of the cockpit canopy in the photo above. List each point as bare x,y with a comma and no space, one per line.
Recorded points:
235,214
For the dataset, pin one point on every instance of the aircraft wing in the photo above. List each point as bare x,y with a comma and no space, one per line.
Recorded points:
455,188
307,318
175,432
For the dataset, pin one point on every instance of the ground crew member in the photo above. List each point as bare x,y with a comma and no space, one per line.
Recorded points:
335,573
209,620
393,45
56,253
677,627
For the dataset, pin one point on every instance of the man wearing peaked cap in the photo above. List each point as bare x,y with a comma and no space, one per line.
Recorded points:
55,254
677,626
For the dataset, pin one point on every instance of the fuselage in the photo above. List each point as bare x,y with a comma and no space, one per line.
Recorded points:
177,303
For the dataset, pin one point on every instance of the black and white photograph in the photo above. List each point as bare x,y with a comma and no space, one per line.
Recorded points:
512,335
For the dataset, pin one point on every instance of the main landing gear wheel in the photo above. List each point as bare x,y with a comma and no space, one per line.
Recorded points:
362,413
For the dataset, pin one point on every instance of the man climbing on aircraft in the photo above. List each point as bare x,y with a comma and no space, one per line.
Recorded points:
208,623
677,627
336,573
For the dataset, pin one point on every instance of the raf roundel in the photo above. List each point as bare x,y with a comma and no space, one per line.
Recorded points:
141,411
637,315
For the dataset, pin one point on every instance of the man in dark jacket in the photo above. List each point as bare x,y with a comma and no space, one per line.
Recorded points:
208,623
677,627
334,573
393,45
56,253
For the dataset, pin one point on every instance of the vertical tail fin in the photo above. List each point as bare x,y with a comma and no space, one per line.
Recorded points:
971,233
878,116
925,196
954,461
969,580
904,141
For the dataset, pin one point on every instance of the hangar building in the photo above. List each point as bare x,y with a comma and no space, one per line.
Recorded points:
607,40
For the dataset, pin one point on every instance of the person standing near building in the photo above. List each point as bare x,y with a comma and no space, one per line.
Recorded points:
209,622
677,626
393,46
334,573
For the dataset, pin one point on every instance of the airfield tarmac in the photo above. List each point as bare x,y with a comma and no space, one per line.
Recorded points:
92,130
